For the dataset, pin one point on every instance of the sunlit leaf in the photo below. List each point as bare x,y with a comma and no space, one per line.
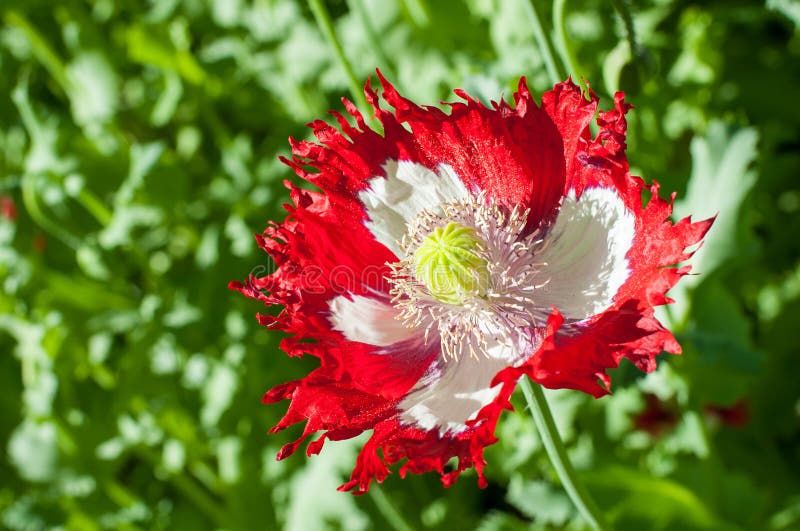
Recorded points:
721,178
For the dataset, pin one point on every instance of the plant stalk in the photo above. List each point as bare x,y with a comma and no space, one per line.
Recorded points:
541,42
325,24
557,453
562,44
389,512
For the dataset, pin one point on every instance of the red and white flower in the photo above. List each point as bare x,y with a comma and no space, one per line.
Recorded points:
454,253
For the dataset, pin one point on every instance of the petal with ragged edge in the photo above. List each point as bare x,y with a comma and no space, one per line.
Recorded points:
332,256
627,328
515,154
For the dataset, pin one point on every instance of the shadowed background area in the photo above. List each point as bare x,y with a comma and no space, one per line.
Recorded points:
138,155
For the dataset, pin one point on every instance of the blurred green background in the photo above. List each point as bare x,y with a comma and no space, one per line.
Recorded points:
138,145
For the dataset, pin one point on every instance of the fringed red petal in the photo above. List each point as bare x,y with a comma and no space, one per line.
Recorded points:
628,329
516,155
527,156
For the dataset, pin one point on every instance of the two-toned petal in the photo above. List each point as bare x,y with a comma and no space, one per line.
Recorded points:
454,253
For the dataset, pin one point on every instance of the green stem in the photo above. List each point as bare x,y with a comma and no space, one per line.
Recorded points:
562,44
623,9
326,27
204,503
418,12
643,60
558,455
200,498
41,49
392,516
35,211
541,42
357,7
95,207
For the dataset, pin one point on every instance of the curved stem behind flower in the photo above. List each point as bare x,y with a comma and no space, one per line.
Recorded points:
417,11
326,27
624,11
567,56
357,8
541,42
554,446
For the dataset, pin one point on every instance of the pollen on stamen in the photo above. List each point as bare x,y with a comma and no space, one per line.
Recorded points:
492,307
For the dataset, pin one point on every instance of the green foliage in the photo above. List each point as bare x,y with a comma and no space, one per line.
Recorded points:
138,146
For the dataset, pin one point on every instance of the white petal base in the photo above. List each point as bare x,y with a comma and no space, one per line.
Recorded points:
452,396
408,189
585,253
455,390
368,320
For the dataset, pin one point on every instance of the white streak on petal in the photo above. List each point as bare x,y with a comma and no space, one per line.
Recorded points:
367,320
408,189
455,392
585,254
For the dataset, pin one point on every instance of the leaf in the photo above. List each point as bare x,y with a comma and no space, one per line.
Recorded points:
33,450
774,296
698,61
540,500
613,65
720,180
144,47
636,500
318,481
721,361
93,89
788,8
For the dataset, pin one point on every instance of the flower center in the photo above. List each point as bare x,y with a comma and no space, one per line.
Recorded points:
450,263
469,276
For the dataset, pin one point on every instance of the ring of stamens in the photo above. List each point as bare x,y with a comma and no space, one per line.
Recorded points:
500,307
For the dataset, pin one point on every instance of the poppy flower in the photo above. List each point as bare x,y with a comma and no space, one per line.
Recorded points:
446,257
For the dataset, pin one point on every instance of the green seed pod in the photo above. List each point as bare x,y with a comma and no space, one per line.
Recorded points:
450,264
